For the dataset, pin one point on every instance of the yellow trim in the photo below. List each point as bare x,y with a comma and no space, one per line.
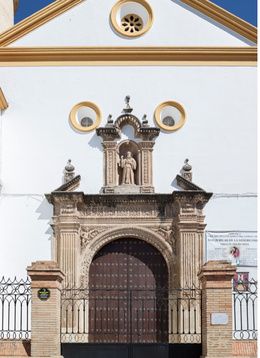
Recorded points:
3,101
73,116
225,18
73,56
119,29
157,116
37,19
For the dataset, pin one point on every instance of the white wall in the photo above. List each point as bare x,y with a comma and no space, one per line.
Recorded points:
6,15
219,137
175,24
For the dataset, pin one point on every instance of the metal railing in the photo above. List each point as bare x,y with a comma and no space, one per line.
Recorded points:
245,309
15,309
131,316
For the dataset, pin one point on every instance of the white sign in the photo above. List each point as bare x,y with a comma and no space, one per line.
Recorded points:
219,318
238,247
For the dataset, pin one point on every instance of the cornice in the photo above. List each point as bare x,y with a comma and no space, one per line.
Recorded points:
224,17
71,185
3,101
37,19
128,56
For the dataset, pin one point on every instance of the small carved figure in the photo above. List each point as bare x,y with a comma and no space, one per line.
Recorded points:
129,166
168,234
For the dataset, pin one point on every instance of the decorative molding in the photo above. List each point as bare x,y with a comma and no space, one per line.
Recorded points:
3,101
36,20
187,184
87,234
127,232
70,185
128,56
224,17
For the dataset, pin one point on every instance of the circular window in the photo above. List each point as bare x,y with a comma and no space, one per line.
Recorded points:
170,116
131,18
85,116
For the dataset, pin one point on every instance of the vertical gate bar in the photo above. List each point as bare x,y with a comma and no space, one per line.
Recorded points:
27,313
247,313
177,320
235,316
195,317
72,313
253,308
15,313
130,314
2,310
241,315
84,315
189,314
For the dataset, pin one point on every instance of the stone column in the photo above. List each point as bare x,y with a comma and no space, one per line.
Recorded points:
45,339
216,278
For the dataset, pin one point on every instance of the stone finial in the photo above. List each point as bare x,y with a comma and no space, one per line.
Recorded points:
186,170
69,172
110,121
127,108
144,121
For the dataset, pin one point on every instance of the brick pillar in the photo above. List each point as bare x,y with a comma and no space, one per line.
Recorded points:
45,340
216,283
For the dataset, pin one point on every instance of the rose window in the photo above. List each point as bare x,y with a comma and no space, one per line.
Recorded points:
132,23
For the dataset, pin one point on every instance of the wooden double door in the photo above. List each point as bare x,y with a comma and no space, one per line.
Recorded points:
128,294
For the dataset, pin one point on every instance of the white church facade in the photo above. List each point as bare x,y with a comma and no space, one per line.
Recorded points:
128,176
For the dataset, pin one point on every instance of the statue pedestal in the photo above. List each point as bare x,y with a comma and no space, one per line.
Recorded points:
127,189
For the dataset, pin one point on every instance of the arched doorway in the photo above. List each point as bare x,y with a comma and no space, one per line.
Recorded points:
128,302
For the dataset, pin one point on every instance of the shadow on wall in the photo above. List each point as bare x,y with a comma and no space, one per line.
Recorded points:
95,142
45,212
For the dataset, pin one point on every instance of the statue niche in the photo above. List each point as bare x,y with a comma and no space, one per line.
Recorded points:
128,166
128,163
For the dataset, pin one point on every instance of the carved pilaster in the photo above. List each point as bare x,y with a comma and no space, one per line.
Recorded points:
69,254
147,167
190,232
110,164
66,241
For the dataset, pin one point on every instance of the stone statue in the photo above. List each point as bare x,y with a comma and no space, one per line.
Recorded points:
129,166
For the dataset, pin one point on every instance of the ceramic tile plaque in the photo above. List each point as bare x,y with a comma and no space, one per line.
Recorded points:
219,318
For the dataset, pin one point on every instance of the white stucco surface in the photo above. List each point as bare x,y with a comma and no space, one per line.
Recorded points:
6,15
88,24
219,138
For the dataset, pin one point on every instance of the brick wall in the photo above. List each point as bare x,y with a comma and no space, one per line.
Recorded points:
244,348
15,348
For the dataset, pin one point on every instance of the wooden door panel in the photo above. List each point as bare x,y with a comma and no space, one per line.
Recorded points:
128,277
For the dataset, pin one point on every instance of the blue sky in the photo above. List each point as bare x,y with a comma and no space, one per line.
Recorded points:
246,9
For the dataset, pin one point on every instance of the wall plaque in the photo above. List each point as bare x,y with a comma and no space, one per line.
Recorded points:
44,294
219,318
238,247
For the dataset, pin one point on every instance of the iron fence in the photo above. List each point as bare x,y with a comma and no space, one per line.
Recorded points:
15,309
131,316
245,309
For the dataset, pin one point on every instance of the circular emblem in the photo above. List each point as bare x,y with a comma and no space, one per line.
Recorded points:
44,294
